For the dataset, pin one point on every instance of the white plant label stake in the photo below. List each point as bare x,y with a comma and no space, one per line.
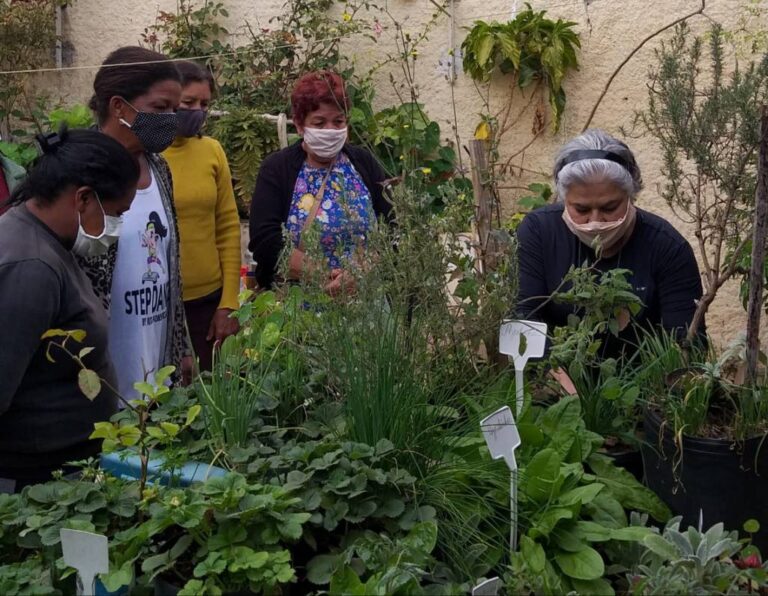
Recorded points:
86,552
522,340
502,438
489,587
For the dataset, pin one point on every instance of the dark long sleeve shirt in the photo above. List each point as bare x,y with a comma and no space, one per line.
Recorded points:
664,275
272,197
42,410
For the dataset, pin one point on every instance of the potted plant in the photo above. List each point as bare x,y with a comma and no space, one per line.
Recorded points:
704,426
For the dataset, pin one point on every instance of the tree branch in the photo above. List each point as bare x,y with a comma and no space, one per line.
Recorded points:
631,55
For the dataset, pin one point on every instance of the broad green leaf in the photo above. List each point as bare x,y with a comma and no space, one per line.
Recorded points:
84,352
580,495
751,526
89,383
540,479
117,578
171,428
484,49
129,436
162,375
626,489
549,519
192,414
144,388
607,511
321,568
592,531
77,334
631,533
104,430
661,547
422,537
244,558
533,554
585,564
346,581
594,587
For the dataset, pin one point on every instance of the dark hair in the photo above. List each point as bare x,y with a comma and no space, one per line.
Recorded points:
129,72
157,223
315,88
192,72
78,158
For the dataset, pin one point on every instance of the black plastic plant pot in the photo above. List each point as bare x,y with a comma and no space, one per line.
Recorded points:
725,481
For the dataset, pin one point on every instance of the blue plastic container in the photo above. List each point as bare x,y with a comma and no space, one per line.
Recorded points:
126,464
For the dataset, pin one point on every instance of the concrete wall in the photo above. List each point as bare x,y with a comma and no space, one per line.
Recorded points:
610,29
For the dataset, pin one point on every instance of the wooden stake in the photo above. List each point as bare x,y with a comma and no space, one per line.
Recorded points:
478,154
756,272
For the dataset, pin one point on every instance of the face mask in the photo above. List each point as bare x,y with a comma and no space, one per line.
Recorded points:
155,131
190,121
606,237
94,246
326,143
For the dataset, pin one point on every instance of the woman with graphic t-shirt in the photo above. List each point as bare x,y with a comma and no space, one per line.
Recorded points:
139,280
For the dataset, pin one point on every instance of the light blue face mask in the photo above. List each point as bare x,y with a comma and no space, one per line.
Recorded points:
87,245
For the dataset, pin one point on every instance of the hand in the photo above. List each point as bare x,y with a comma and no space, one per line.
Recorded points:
296,264
565,381
187,370
341,282
222,326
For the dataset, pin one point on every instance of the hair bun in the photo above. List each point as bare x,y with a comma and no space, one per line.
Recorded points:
49,143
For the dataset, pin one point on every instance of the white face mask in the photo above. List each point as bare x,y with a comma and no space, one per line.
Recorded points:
87,245
606,237
326,143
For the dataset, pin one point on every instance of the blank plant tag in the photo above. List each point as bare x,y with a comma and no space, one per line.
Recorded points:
522,340
489,587
501,436
86,552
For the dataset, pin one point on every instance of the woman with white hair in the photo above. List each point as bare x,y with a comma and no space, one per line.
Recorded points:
595,220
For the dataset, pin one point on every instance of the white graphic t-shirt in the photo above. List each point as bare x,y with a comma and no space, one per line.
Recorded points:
140,291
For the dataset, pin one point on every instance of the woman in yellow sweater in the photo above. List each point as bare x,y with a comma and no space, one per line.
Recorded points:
209,227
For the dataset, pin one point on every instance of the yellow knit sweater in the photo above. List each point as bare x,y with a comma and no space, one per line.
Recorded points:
209,227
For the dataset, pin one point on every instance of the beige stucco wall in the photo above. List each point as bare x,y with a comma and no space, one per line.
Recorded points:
610,29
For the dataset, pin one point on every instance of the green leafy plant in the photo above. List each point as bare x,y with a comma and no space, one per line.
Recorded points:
27,36
76,116
375,564
696,562
697,391
535,49
705,121
191,31
226,534
247,138
568,514
604,303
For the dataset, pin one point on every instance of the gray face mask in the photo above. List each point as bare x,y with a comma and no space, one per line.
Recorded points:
155,131
87,245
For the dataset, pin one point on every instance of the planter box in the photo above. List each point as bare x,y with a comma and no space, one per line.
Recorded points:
127,464
725,481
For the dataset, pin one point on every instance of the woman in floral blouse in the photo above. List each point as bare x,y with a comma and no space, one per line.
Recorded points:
321,184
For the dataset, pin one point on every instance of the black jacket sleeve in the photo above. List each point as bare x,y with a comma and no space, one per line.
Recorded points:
532,289
679,288
266,219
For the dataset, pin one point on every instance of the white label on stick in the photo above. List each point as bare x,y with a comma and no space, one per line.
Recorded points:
501,436
88,553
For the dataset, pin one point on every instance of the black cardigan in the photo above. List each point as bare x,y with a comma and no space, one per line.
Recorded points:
271,202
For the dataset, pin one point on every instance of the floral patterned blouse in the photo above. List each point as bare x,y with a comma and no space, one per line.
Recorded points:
344,216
